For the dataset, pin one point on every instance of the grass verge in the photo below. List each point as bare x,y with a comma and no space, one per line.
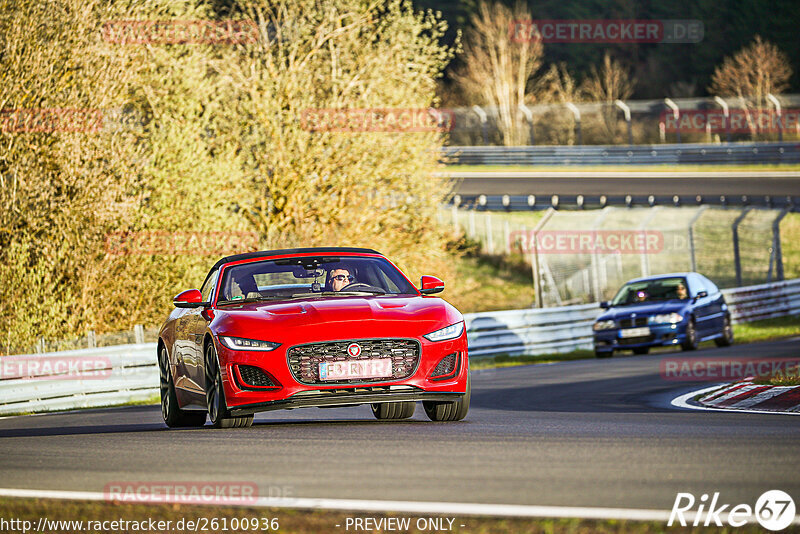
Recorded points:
296,521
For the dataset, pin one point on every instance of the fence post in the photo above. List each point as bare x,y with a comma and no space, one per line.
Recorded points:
692,259
489,240
776,253
736,258
537,286
472,223
484,123
91,340
138,333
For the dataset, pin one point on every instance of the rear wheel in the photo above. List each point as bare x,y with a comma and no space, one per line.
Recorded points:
691,342
449,411
727,334
173,416
215,395
393,410
641,350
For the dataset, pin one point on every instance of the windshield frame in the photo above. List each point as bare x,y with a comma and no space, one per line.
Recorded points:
218,301
648,281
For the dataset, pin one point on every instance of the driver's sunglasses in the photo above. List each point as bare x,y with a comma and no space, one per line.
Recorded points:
342,278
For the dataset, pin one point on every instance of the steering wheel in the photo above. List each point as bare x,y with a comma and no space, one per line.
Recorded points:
355,286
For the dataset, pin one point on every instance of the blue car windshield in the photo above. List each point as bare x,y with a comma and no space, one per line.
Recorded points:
652,291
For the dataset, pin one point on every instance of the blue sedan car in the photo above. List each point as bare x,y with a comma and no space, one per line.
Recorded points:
671,309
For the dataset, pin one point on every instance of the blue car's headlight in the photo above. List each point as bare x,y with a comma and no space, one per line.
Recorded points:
664,318
603,325
240,343
448,332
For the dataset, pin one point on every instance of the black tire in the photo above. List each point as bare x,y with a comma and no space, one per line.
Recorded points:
641,350
449,411
603,353
393,410
727,334
691,342
173,416
215,395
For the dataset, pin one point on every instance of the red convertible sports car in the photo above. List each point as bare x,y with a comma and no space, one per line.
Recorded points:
320,327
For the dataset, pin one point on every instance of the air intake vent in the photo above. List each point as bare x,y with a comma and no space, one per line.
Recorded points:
255,377
446,367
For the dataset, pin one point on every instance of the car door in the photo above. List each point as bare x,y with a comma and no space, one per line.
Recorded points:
701,306
197,325
716,306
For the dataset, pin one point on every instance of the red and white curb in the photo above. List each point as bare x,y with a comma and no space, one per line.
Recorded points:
744,396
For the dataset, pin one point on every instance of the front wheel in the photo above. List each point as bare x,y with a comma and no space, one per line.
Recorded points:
691,342
449,411
393,410
727,334
173,416
215,395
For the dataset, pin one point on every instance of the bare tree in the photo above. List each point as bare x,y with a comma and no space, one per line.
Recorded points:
609,83
558,87
750,75
499,65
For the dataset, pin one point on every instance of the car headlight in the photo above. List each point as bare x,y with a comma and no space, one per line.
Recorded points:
240,343
448,332
666,318
603,325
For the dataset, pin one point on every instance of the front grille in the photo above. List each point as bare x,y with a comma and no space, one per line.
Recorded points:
304,360
635,340
630,323
253,376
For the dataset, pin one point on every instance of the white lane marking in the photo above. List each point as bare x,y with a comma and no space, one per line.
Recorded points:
682,401
444,508
410,507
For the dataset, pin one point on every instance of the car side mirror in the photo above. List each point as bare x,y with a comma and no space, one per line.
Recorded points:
701,295
191,298
605,304
430,285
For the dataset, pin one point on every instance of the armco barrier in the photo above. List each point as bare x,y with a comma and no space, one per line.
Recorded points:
694,154
39,382
130,372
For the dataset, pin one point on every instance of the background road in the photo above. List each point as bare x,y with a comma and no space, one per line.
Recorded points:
582,433
774,183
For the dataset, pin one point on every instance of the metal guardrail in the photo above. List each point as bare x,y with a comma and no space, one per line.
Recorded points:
82,378
550,330
699,153
107,376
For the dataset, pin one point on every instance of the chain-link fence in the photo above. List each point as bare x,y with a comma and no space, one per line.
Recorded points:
585,256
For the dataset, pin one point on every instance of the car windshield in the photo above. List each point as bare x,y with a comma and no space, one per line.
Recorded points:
651,291
304,277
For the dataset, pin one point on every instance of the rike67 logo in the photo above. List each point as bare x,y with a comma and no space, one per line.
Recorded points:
774,510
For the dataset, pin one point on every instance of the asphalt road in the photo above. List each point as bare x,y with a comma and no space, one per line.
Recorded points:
583,433
774,183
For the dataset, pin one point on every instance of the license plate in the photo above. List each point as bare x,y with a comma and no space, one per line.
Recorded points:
635,332
377,368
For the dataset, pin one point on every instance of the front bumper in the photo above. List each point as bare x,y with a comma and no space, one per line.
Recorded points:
290,393
660,335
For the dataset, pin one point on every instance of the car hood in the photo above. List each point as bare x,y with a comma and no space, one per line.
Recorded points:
646,309
327,318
